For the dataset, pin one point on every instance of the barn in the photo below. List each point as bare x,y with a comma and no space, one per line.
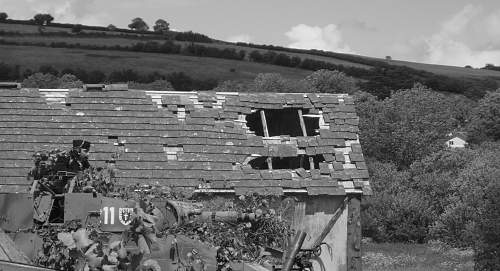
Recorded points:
217,143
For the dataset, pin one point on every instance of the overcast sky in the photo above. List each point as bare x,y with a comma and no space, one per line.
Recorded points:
452,32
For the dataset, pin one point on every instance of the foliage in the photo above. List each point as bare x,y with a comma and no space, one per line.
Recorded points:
434,175
41,80
3,16
160,84
161,26
232,86
395,212
69,81
111,27
138,24
245,238
192,37
269,82
407,126
77,28
469,195
327,81
48,80
485,121
43,19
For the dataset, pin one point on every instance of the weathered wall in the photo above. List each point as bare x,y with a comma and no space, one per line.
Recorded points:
312,215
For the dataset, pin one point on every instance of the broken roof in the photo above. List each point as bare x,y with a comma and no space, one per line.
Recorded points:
200,141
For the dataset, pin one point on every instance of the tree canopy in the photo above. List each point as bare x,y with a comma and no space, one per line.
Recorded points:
409,125
138,24
328,81
161,26
485,121
43,19
3,16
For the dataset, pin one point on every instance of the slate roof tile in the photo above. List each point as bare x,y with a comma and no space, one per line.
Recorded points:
126,126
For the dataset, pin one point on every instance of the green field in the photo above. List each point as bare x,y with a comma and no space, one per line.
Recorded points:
112,40
415,257
198,67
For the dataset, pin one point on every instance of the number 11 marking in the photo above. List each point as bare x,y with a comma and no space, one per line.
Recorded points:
111,211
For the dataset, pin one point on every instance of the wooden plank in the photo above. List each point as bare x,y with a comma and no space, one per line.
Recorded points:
354,233
266,134
302,123
11,251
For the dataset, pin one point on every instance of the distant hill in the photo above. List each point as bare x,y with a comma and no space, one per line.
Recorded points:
65,46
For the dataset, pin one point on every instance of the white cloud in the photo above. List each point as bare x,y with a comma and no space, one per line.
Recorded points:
328,38
470,37
240,38
65,11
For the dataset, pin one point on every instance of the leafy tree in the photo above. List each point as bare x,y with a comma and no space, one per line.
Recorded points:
256,56
43,19
472,193
327,81
111,27
3,16
138,24
269,82
395,212
161,26
41,80
69,81
405,127
485,122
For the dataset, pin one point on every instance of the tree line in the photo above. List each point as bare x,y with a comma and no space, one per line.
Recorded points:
379,80
161,28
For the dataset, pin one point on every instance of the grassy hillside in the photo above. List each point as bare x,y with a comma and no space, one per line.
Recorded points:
30,46
199,67
131,39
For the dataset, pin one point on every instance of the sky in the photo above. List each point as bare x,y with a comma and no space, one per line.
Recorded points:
448,32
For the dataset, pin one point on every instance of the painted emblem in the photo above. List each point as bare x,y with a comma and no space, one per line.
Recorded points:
125,215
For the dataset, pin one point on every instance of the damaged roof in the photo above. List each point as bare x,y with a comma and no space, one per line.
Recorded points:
200,141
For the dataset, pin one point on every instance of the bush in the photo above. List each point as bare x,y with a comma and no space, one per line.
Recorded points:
395,212
41,80
269,82
326,81
466,219
485,122
70,81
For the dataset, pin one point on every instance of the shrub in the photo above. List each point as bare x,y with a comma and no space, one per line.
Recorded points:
485,122
69,81
326,81
269,82
41,80
466,219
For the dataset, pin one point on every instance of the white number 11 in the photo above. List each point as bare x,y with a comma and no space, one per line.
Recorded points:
111,211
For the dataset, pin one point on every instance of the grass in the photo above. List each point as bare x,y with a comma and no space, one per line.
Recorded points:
415,257
110,41
198,67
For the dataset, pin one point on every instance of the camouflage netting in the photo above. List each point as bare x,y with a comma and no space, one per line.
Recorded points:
73,246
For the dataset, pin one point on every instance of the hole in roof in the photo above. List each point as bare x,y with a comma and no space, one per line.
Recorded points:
294,162
68,104
112,137
282,122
